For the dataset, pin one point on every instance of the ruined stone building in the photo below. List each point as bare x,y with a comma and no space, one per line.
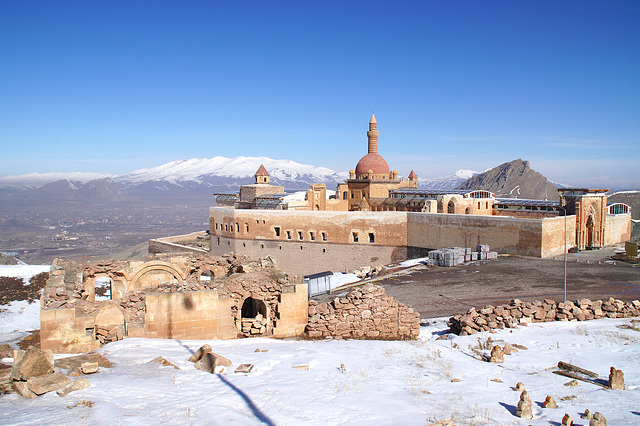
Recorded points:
377,218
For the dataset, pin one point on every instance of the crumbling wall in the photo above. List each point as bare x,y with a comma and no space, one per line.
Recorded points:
519,312
365,313
72,320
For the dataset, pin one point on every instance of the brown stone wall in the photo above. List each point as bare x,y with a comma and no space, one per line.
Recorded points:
518,312
365,313
617,228
292,311
502,234
304,258
553,233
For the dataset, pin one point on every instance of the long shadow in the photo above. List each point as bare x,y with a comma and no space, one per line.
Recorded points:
255,410
510,408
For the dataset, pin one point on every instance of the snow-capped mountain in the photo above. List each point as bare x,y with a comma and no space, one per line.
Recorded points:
208,172
447,182
36,180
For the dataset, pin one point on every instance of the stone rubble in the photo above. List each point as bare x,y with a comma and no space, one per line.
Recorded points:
567,420
549,402
616,379
598,420
522,313
524,406
364,313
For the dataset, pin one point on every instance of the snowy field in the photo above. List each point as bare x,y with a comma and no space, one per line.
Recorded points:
352,382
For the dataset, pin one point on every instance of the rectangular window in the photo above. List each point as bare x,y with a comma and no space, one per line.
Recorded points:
312,236
299,235
288,235
246,227
237,227
324,236
355,237
478,204
372,238
277,231
344,195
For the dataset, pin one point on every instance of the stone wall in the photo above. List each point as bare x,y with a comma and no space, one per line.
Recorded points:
195,242
365,313
518,313
618,228
502,234
73,321
553,234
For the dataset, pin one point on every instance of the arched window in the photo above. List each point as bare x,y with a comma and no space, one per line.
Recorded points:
451,207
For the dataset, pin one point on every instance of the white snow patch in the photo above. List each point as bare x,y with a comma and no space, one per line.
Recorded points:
24,271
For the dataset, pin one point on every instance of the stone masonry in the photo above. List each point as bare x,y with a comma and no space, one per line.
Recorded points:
365,313
518,312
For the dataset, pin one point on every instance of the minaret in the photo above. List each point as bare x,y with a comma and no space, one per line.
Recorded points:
372,135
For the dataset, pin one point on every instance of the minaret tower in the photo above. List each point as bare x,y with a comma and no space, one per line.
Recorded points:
372,135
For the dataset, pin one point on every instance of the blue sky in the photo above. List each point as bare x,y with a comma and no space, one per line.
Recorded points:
113,86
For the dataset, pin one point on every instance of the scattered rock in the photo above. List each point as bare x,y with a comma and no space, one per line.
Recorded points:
301,367
497,355
163,362
598,420
508,349
567,420
519,387
6,351
33,362
51,382
89,367
23,389
81,383
204,349
573,382
586,415
616,379
445,422
212,363
549,402
455,380
524,406
244,368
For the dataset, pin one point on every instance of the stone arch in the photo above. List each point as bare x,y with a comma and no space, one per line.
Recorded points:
118,284
467,211
155,266
590,229
451,206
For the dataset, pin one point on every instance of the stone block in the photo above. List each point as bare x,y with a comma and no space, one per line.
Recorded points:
78,384
244,368
204,349
33,362
212,363
89,367
43,384
23,389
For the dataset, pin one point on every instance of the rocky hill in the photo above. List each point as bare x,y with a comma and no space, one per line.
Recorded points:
514,179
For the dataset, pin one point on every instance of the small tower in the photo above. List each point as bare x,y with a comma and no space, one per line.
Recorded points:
372,135
262,175
413,177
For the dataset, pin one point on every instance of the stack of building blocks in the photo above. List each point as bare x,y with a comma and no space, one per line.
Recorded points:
458,255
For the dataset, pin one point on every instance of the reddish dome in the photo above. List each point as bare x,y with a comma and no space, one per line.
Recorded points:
373,162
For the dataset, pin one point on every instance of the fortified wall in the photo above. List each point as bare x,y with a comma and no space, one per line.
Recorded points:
169,297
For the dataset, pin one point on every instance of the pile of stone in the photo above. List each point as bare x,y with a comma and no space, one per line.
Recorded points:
453,256
519,312
109,334
254,326
365,313
33,374
367,272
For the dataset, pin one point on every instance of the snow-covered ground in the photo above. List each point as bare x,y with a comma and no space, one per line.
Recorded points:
353,382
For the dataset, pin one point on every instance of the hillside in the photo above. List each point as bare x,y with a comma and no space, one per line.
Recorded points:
514,179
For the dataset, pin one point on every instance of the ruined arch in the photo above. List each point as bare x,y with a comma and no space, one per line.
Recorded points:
451,207
253,317
155,266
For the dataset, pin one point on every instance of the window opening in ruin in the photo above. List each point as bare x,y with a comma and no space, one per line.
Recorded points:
372,238
246,227
352,195
103,288
451,207
216,226
280,247
206,275
344,195
300,247
478,204
486,205
226,227
312,236
355,237
261,245
299,235
218,240
237,227
324,236
257,222
244,244
277,231
288,235
324,250
263,221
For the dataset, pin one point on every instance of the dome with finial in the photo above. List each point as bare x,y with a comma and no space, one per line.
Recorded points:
374,163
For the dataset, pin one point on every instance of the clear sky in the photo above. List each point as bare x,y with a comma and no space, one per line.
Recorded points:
113,86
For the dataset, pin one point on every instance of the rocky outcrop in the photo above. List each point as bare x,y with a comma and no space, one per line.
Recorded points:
515,179
518,312
365,313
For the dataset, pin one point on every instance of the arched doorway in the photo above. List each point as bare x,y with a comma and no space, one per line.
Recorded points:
451,207
102,286
590,231
467,211
254,317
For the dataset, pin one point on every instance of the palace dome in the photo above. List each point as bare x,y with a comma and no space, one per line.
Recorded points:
373,162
